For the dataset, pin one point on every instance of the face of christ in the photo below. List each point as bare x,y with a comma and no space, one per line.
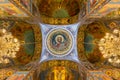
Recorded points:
59,39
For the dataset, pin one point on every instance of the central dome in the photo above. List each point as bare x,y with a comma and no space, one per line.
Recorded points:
58,8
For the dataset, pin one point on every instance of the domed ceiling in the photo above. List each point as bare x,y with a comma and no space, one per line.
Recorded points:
29,37
58,8
19,27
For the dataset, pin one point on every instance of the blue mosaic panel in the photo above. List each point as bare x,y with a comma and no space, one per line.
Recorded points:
59,42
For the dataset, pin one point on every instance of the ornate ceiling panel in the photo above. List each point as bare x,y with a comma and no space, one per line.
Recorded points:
92,4
58,8
29,37
7,9
59,12
113,15
26,3
109,7
100,42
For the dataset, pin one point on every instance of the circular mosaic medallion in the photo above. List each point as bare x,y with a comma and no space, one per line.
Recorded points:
59,42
